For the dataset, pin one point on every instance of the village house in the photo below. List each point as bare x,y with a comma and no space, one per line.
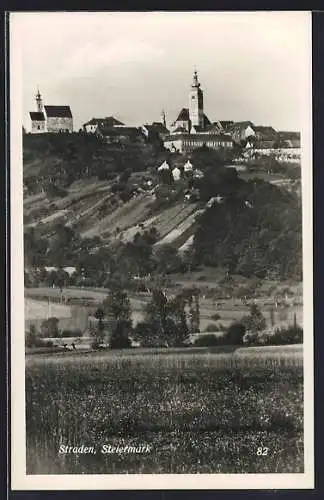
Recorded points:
50,119
119,134
155,131
93,125
281,150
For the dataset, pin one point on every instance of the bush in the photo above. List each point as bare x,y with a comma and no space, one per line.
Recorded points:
211,327
71,333
208,340
279,336
235,334
216,316
286,336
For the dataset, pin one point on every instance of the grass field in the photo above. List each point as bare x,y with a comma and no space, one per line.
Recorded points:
199,412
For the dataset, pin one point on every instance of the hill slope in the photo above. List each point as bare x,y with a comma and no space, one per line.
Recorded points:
82,195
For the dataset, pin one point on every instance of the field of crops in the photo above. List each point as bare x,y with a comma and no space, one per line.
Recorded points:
199,412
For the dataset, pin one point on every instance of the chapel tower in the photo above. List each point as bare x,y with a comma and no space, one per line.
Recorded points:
196,103
39,102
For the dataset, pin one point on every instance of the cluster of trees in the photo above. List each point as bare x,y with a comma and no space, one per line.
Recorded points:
252,330
255,231
95,264
167,320
60,159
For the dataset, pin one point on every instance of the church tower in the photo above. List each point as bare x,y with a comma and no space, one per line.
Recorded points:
39,102
196,103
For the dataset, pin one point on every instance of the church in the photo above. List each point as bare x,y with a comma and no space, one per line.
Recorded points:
51,119
192,128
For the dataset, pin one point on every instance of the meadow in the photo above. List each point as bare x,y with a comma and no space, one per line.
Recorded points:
37,306
199,411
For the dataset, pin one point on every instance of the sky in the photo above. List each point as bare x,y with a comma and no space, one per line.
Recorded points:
251,66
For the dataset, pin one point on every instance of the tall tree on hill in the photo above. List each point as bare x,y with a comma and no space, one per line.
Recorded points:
118,308
156,314
192,300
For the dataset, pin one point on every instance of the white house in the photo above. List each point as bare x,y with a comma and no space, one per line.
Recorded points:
176,173
188,166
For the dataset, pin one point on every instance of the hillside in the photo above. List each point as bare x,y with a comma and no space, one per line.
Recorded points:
83,197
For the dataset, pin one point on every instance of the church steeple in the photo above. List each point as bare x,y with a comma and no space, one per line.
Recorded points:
196,103
39,102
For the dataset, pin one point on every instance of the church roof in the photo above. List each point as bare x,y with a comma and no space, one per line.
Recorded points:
206,121
37,116
183,115
58,111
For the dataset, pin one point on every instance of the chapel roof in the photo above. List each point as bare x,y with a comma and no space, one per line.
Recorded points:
58,111
37,116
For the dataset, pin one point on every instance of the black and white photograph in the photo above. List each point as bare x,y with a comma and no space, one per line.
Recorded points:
161,227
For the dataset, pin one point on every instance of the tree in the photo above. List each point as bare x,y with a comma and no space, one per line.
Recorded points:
235,334
145,333
120,335
192,302
98,331
117,306
49,327
255,322
167,318
167,259
156,314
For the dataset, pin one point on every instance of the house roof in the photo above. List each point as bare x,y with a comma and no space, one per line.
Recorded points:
290,143
164,166
239,126
108,121
37,116
157,127
198,137
226,123
265,130
197,128
213,127
58,111
289,135
264,144
117,131
179,130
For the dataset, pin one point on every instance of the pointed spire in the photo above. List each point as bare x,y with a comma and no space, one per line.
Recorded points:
163,118
195,82
39,103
